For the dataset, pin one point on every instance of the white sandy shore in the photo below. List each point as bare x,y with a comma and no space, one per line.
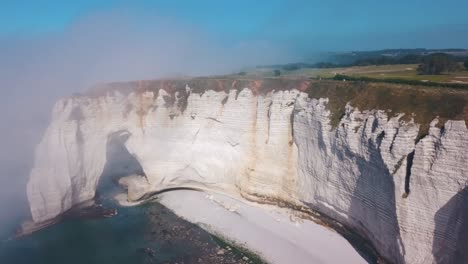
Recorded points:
273,233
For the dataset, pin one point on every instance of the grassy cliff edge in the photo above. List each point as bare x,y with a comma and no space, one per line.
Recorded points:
418,102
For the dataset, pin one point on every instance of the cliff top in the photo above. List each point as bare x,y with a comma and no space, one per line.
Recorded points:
416,101
201,84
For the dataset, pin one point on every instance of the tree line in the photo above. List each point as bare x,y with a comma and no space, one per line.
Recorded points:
431,64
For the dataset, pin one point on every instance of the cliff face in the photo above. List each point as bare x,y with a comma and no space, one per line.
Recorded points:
269,141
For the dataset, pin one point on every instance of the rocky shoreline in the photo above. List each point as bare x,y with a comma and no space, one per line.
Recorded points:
278,235
202,246
162,237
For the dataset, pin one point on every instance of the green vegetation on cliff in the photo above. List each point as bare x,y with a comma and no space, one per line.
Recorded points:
418,102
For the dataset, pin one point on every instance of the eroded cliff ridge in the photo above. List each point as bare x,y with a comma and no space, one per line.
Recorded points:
387,161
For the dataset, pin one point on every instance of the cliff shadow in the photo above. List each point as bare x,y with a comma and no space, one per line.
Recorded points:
373,206
119,163
450,243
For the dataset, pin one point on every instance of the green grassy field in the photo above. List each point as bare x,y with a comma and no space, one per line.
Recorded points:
399,71
409,72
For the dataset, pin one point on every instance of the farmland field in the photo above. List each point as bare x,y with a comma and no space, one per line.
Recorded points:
399,71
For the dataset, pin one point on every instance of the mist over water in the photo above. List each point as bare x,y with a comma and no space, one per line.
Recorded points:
106,46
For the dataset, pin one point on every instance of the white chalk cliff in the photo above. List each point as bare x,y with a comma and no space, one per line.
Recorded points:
408,199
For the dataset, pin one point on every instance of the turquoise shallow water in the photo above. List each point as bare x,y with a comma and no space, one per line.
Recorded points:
106,240
118,239
102,240
149,233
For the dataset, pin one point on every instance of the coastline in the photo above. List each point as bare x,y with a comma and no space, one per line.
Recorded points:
276,235
271,233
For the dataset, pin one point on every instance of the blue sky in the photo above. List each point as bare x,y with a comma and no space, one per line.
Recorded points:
322,25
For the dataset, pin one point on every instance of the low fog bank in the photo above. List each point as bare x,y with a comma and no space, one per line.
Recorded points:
113,46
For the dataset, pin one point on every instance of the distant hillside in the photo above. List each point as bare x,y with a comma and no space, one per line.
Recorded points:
367,58
364,58
355,56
